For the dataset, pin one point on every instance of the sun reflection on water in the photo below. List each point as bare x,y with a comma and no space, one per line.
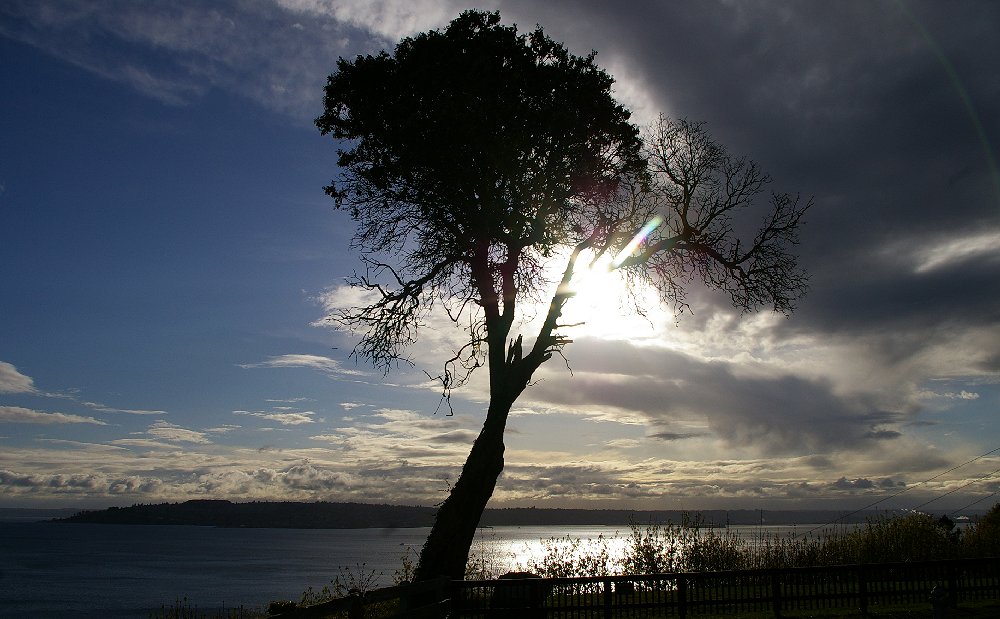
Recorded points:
507,549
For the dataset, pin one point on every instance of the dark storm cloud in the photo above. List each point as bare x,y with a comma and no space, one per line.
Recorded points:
885,295
464,437
309,477
882,435
853,484
872,108
888,115
76,482
776,413
677,436
882,111
829,97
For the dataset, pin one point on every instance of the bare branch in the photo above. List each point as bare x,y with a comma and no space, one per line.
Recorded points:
700,187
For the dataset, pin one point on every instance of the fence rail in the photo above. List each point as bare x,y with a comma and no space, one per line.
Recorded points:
429,599
863,588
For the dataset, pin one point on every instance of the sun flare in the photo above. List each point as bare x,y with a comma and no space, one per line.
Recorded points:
603,306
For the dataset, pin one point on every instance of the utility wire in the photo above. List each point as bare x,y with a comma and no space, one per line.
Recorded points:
907,489
979,500
957,489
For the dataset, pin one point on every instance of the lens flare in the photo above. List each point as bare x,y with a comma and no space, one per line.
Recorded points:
637,240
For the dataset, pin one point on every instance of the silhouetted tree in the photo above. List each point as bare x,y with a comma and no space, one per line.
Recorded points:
475,160
983,538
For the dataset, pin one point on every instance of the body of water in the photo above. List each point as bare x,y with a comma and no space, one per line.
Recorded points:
132,571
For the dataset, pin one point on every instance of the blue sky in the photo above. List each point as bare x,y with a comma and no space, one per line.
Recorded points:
167,256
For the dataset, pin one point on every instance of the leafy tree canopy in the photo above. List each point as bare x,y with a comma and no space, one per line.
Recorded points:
474,156
479,164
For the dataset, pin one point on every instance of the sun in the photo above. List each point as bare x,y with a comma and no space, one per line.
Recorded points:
603,306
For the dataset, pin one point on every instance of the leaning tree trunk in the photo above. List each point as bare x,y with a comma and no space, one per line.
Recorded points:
446,551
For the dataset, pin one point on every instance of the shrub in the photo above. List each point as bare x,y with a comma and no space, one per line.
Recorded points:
567,557
983,538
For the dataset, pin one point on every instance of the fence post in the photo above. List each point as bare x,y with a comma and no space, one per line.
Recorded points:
357,609
607,599
441,595
863,588
404,599
776,592
459,598
455,594
682,594
952,585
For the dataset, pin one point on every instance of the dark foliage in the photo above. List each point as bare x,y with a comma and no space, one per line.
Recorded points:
481,165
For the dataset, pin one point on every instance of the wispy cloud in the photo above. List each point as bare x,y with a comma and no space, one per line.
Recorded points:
314,362
172,432
395,434
97,447
285,419
389,20
18,414
949,395
955,250
144,443
902,246
12,381
176,53
55,482
223,429
128,411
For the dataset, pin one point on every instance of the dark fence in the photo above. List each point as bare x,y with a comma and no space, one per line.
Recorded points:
860,587
422,600
864,588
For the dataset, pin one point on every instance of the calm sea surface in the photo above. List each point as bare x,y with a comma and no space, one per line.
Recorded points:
99,570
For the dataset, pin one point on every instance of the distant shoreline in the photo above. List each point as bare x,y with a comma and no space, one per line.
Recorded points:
325,515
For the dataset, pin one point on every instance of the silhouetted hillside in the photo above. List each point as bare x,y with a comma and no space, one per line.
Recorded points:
264,514
322,515
32,514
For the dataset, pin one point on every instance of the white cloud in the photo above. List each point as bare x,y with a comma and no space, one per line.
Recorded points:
285,419
93,447
171,432
18,414
337,298
928,255
948,395
389,19
315,362
54,482
128,411
142,442
12,381
177,53
224,428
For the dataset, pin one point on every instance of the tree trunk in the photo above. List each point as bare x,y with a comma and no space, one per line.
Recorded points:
446,551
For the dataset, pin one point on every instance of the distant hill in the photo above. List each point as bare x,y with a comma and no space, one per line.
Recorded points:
30,514
323,515
285,515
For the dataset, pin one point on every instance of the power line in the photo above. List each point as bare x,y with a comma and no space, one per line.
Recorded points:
957,489
908,488
979,500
